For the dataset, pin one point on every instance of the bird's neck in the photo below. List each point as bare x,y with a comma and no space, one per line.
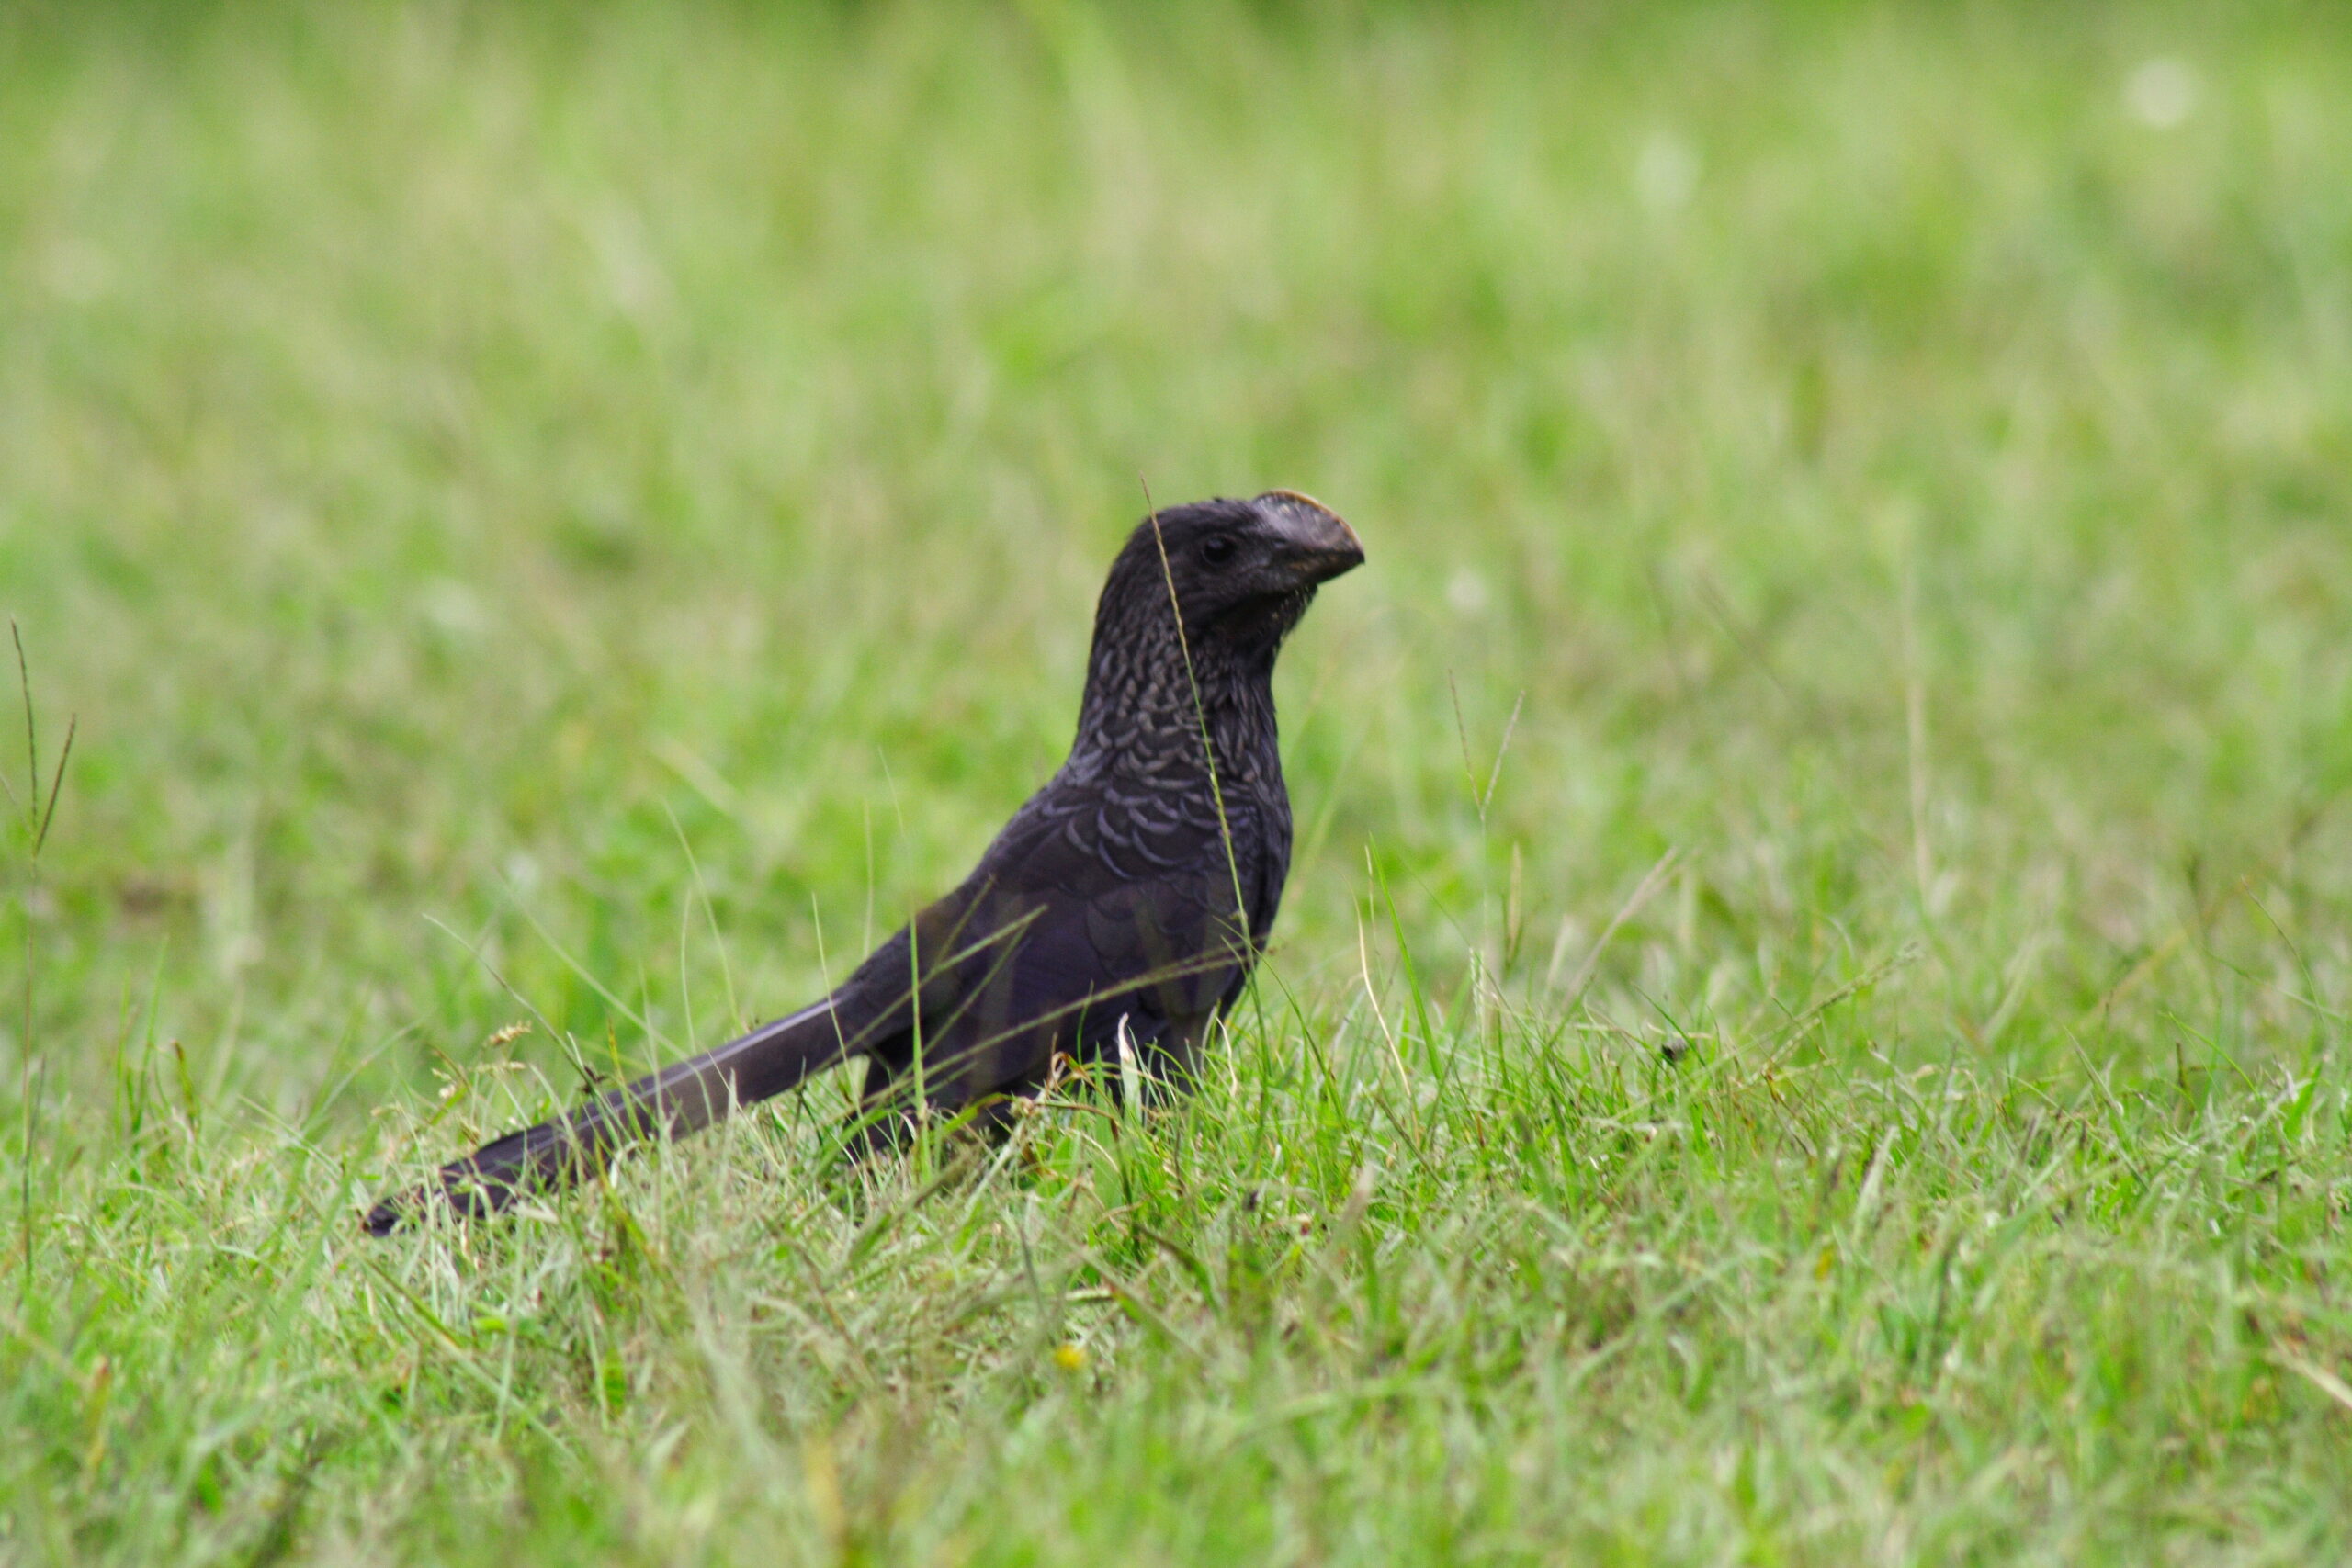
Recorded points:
1150,701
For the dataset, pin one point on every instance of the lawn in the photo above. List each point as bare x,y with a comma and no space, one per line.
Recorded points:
1810,1021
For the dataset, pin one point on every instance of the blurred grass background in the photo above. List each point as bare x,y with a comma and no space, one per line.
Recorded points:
483,479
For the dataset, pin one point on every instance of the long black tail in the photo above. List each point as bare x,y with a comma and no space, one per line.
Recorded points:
676,1100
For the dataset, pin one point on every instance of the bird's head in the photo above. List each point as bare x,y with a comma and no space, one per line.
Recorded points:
1241,572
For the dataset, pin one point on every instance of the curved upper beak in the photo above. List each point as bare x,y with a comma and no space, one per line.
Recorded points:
1320,542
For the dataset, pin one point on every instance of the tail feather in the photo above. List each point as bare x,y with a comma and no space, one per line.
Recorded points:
679,1099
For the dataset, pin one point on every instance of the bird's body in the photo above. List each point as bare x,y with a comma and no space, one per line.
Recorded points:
1132,894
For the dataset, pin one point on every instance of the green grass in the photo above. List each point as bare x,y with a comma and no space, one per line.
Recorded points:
589,517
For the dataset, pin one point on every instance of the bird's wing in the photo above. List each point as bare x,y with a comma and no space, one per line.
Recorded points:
1091,906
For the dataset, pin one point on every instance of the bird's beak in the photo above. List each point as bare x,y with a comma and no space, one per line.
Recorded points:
1321,545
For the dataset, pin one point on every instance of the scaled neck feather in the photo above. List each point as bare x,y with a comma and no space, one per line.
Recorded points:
1144,712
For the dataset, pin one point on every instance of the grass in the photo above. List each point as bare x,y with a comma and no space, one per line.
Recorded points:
1809,1021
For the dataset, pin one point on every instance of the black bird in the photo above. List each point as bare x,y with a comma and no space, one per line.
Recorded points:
1130,896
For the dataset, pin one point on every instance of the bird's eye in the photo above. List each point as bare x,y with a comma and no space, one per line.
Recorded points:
1217,549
